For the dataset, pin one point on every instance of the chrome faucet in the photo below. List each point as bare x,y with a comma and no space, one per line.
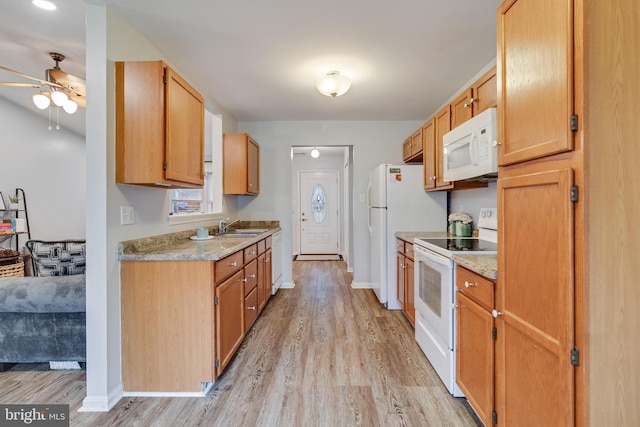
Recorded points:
223,227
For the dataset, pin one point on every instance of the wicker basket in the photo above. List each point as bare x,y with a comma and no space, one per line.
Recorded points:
12,270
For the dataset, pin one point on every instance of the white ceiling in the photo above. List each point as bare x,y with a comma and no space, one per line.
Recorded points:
260,59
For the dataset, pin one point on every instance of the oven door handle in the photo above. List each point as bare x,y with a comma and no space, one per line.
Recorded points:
418,252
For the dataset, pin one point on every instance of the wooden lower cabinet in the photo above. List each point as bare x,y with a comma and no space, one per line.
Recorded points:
404,276
183,321
535,378
474,341
229,319
167,302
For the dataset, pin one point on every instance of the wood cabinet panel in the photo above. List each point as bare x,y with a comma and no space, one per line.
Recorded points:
159,127
241,164
535,82
475,356
250,276
442,126
409,308
462,108
250,253
485,92
250,309
400,279
228,265
535,294
429,155
264,279
165,302
230,327
479,288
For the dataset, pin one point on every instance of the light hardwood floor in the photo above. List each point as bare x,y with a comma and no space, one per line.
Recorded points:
321,354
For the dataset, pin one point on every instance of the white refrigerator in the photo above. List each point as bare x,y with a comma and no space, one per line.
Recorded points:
397,202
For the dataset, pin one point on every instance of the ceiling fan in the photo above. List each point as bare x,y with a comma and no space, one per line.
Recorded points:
61,88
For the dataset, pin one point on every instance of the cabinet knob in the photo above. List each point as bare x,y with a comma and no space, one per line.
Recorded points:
251,307
244,280
253,276
266,260
469,284
495,143
232,264
495,313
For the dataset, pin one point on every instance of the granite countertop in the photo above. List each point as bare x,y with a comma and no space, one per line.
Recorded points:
179,247
408,236
485,265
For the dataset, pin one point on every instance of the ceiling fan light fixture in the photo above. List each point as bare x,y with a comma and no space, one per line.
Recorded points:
40,100
59,98
44,4
70,106
333,84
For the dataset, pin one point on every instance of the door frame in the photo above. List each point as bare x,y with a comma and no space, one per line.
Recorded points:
338,200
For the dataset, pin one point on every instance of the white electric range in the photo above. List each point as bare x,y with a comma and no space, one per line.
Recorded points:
434,293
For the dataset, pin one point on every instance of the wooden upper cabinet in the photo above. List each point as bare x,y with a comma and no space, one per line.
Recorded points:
535,84
241,164
412,148
485,92
462,108
429,155
159,127
442,126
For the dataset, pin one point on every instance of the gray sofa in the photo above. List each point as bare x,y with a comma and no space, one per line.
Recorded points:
42,319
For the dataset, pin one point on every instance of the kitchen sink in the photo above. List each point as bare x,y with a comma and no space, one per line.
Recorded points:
236,234
250,230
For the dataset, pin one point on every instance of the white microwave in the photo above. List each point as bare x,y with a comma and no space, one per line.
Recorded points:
470,150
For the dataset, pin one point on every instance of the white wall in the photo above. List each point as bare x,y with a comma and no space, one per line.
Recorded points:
111,39
373,143
49,165
470,201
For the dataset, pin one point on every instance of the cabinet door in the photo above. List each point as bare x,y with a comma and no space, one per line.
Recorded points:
184,131
535,83
416,143
400,278
475,357
265,280
229,319
409,306
535,294
462,108
485,92
406,149
250,309
261,273
253,167
429,154
443,125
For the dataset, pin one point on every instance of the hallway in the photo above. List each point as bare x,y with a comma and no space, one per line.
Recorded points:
322,354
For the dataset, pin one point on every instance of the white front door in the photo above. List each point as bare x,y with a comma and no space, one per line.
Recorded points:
319,212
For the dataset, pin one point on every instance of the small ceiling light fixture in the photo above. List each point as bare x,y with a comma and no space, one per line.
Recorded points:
334,84
44,4
315,153
41,100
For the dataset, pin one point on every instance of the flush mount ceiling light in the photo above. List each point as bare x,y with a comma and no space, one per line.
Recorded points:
43,4
334,84
315,153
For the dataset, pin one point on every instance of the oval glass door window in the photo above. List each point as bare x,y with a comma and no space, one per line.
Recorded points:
318,203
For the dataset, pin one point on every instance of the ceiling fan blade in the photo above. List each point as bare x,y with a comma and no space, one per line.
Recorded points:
76,84
18,73
15,84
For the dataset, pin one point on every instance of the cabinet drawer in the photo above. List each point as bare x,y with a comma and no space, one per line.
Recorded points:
250,309
267,243
400,245
476,287
262,245
251,276
408,250
229,265
250,253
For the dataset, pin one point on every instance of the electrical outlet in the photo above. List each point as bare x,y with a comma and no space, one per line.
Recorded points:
127,215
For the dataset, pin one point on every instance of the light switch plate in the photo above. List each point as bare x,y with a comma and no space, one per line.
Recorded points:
127,215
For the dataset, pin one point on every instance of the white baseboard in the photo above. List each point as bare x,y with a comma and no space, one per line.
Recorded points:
101,403
288,285
361,285
205,390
